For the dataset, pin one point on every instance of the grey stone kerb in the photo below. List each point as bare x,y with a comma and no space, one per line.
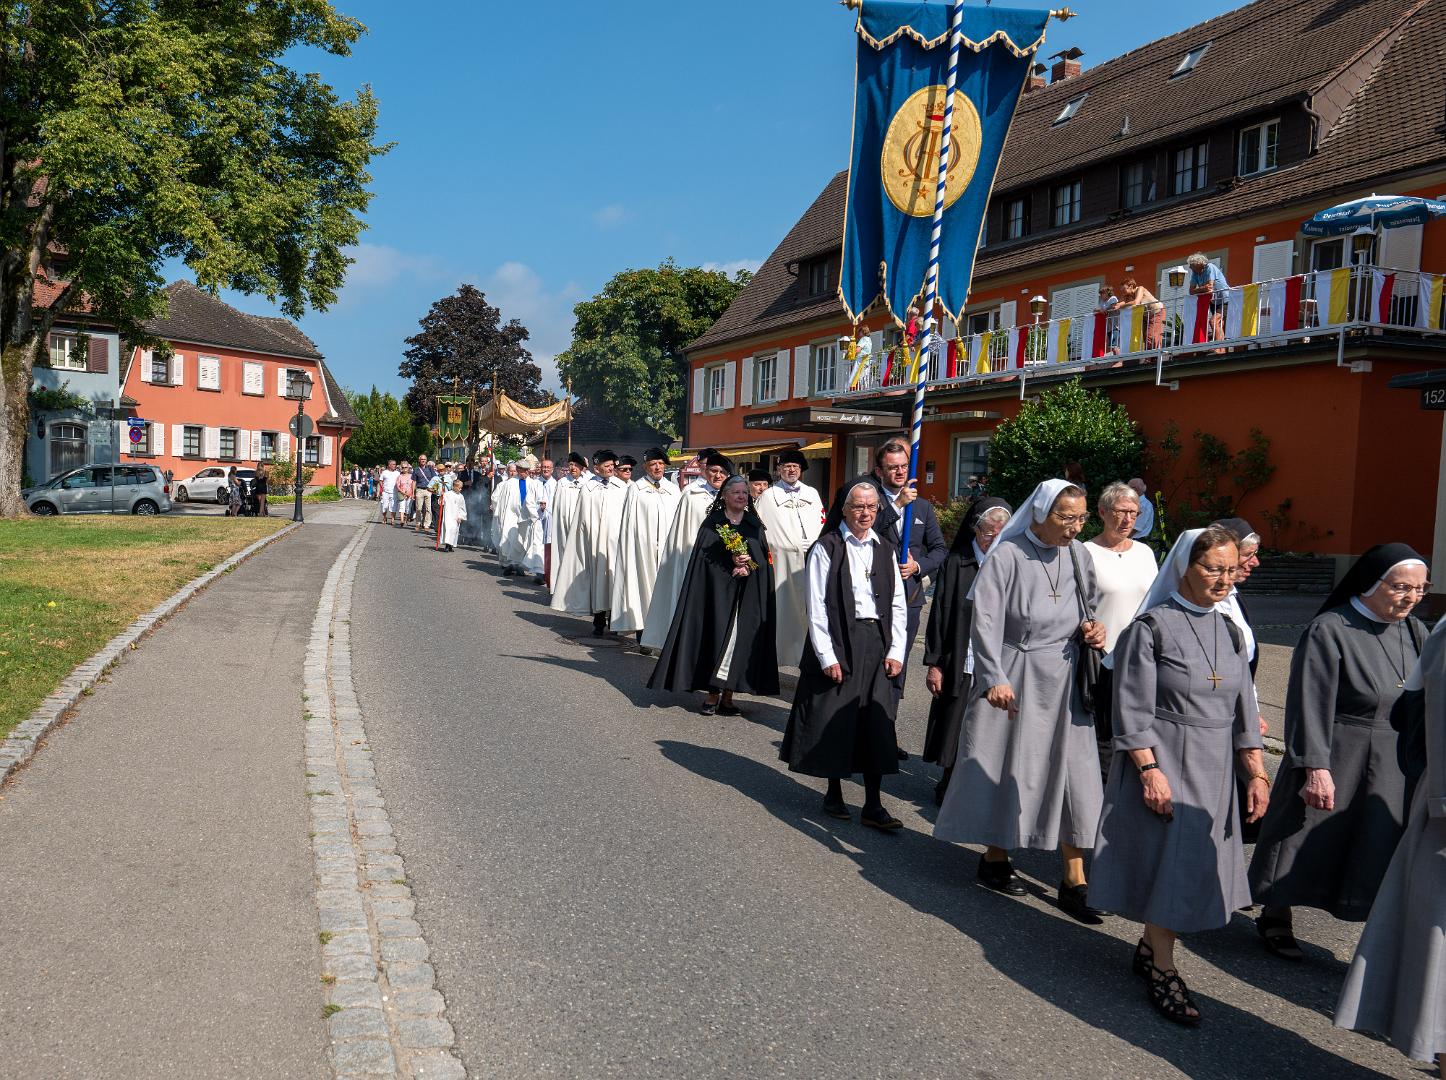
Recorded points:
384,1015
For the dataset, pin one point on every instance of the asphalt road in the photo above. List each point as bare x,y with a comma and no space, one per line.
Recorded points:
614,885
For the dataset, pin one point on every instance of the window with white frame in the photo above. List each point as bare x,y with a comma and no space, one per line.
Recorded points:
823,367
160,368
268,446
311,453
717,384
1016,218
765,377
68,447
971,459
1258,148
191,440
1191,167
1328,254
1137,184
66,353
227,443
981,322
1066,204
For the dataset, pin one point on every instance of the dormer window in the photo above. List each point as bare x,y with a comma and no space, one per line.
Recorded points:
1193,57
1070,108
820,276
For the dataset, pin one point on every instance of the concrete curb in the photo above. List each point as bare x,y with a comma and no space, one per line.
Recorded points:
385,1017
22,742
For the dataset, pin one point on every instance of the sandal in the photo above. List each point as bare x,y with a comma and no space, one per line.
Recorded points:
1279,938
1144,960
1171,997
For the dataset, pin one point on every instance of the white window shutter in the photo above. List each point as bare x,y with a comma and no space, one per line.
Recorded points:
785,370
730,383
211,443
1401,249
280,382
1273,261
253,379
745,382
255,446
700,389
283,446
178,439
156,438
178,370
146,365
1007,314
243,446
326,442
800,371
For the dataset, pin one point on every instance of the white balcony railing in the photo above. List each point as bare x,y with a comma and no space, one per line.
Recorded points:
1322,303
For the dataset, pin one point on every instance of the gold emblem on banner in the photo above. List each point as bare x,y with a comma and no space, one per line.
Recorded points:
454,414
910,163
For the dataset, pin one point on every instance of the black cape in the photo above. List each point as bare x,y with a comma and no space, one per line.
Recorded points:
711,601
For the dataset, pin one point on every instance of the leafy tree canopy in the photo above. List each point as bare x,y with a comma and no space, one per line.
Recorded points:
137,131
388,430
626,356
464,343
1068,423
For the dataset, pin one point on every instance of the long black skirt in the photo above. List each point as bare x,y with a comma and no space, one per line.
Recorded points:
946,718
838,729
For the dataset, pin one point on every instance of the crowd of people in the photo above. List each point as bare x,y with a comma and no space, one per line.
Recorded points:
1043,656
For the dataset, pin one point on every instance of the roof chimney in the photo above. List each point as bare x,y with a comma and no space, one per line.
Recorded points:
1066,64
1036,78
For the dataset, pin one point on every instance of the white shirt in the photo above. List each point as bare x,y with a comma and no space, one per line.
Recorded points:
861,566
389,480
1230,607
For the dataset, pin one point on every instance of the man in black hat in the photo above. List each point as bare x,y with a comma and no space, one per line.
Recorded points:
624,469
695,500
793,514
566,499
758,481
585,578
648,511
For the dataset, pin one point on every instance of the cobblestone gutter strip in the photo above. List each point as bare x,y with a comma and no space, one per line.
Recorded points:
22,742
384,1015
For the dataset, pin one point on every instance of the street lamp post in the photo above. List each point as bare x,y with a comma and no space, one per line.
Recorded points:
298,388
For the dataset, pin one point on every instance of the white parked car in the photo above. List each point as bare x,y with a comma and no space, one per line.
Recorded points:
210,484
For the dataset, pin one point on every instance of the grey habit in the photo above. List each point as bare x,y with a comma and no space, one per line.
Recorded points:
1030,779
1186,874
1344,678
1396,984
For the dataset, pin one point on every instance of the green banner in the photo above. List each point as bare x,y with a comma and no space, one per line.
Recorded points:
454,418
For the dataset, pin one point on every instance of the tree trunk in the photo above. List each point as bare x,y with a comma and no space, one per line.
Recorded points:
16,363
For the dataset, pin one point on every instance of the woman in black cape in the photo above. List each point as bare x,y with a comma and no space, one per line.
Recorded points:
946,638
722,636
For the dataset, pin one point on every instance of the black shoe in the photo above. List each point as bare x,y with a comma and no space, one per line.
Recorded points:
708,708
879,818
1074,902
729,710
1000,877
835,808
903,754
1277,935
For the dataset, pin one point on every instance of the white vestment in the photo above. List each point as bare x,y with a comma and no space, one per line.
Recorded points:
693,505
549,488
566,501
585,579
499,507
647,516
454,512
793,520
520,546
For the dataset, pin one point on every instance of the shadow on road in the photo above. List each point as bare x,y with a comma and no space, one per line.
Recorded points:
1069,966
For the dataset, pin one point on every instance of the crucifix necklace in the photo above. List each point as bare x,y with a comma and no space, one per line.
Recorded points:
1214,660
1400,672
1054,582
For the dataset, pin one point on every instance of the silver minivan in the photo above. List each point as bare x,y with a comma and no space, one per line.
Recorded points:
138,489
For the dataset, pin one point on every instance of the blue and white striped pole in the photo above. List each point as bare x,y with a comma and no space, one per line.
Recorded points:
931,286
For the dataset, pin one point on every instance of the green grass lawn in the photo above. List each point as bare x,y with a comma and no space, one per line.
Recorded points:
70,584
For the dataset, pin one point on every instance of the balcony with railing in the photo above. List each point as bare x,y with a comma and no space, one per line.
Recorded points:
1327,306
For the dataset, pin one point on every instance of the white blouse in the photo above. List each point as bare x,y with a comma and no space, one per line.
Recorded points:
1124,578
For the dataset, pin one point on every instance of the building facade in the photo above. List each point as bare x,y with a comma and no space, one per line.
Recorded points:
220,398
1188,144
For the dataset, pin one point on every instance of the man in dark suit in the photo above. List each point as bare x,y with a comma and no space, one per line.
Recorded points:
927,549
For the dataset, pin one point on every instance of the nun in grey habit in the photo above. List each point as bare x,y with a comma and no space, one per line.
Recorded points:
1396,985
1339,805
1169,852
1027,772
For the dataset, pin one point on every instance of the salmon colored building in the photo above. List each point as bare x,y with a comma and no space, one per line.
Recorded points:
220,398
1194,143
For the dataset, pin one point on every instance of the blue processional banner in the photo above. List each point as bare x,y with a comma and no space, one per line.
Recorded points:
903,61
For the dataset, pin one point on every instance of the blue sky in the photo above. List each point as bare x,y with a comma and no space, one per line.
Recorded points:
541,148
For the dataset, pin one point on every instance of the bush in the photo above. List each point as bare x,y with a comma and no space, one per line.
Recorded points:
281,473
1065,424
951,516
328,494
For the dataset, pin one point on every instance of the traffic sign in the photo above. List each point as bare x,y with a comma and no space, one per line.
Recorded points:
307,427
137,434
135,422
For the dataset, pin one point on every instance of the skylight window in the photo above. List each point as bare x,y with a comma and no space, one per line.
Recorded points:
1193,57
1071,107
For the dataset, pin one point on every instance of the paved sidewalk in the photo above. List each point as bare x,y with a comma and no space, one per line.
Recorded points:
156,902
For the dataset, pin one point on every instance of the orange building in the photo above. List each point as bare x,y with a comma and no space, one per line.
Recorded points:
220,399
1189,144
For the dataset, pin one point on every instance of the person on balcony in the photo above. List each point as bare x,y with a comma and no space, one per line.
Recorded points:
1132,292
1206,277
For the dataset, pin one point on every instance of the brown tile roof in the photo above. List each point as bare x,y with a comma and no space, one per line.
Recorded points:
197,317
776,298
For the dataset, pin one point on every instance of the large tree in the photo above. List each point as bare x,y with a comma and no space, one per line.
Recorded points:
388,430
137,131
626,356
464,343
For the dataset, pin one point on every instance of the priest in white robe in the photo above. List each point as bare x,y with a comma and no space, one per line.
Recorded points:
585,578
694,503
566,500
520,549
500,495
454,512
646,518
793,513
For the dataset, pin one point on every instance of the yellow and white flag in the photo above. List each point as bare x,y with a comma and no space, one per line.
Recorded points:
1428,307
1333,295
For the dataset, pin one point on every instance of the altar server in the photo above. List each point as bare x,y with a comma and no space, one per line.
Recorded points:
454,512
520,547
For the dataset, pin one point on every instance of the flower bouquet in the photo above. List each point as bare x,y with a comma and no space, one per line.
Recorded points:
734,542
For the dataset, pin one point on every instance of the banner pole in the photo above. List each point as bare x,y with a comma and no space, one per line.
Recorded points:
931,287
